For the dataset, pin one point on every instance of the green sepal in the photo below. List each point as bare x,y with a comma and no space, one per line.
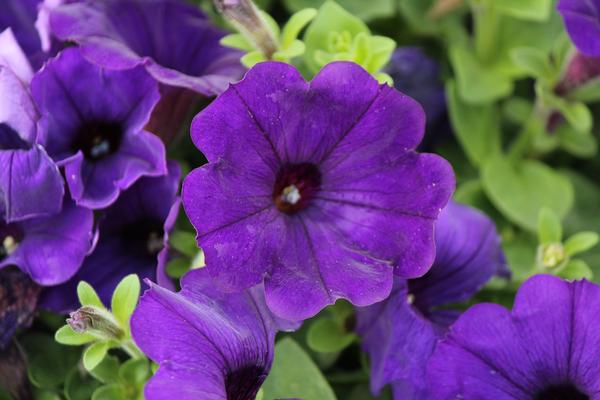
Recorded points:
88,296
93,355
67,336
576,269
125,298
237,41
549,227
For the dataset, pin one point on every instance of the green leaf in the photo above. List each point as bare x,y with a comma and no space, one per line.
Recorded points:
135,371
478,83
295,375
587,93
327,336
93,355
584,145
549,227
375,9
576,269
535,10
68,336
534,61
295,24
125,298
113,391
253,58
49,363
88,296
79,385
477,127
581,242
177,267
330,18
108,370
236,41
521,190
576,113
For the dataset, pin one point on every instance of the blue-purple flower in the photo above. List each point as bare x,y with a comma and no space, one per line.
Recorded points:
314,188
400,333
209,345
547,347
582,20
30,182
133,237
92,124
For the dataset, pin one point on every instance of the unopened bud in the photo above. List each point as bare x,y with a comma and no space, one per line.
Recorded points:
247,19
96,322
551,255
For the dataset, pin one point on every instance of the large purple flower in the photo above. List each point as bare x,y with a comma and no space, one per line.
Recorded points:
30,182
49,249
209,345
546,348
400,333
314,187
133,237
582,19
92,124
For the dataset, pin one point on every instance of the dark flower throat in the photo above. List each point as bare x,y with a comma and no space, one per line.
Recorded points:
295,186
98,139
566,391
244,383
145,237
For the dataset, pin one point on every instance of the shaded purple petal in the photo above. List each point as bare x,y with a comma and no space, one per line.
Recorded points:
209,344
93,126
176,43
17,111
582,20
30,184
20,16
52,249
13,57
549,340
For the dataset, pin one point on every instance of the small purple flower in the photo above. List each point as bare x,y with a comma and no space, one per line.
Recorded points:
133,237
419,76
209,345
49,249
314,188
30,182
546,348
92,124
174,41
582,19
400,333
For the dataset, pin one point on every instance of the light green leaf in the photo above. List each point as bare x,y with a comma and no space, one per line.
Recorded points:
68,336
521,190
177,267
534,61
125,298
88,296
581,242
588,93
295,24
295,375
375,8
576,269
477,127
184,242
110,392
584,145
549,227
478,83
93,355
576,113
535,10
251,59
326,336
237,41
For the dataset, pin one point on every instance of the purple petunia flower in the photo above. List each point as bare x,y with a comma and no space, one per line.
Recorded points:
314,187
49,249
419,76
582,19
209,345
133,237
176,43
92,124
30,182
20,17
546,348
400,333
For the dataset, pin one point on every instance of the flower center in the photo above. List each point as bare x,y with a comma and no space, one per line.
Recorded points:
146,237
295,186
564,391
10,236
98,139
244,383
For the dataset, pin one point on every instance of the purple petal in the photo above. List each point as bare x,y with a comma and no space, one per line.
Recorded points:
13,57
582,20
17,110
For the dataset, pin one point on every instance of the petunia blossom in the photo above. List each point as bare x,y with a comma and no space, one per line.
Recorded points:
314,188
92,124
176,43
20,17
547,347
30,182
133,237
49,249
400,333
582,20
208,344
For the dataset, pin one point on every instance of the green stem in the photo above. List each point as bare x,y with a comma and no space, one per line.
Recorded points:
130,348
527,136
486,29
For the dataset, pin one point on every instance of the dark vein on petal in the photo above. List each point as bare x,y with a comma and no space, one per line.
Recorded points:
313,255
234,222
